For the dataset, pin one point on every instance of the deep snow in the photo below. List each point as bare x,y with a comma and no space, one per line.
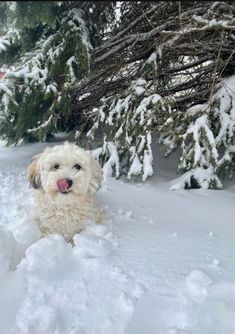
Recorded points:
163,263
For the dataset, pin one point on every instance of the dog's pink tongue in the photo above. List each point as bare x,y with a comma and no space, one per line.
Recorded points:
63,185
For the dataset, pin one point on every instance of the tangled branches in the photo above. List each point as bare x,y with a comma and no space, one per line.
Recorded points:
180,48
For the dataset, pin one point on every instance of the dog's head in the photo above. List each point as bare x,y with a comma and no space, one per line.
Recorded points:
65,170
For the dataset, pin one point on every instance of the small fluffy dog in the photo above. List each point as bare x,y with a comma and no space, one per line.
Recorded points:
65,179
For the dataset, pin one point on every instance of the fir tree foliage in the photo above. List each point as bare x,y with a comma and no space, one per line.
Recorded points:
36,94
183,51
22,25
127,124
205,134
116,73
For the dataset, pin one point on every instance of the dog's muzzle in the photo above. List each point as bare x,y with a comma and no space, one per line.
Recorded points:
64,185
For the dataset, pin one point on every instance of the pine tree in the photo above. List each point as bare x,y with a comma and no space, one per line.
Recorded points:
183,52
127,122
114,74
206,136
52,51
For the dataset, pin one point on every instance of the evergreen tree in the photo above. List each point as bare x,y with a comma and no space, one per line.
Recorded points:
182,52
205,133
52,50
114,74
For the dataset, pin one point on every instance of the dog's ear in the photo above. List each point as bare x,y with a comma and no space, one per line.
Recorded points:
97,176
33,173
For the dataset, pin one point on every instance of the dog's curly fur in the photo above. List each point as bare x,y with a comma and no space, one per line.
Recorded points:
65,213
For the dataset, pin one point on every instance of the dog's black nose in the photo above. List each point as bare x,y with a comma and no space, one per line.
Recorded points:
70,182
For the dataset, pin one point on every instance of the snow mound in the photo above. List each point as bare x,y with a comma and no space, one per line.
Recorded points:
212,308
49,286
197,306
80,289
196,285
17,232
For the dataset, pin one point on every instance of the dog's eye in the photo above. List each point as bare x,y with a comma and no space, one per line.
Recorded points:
56,166
77,166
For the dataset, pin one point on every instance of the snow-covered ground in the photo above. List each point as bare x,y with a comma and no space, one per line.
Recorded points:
163,264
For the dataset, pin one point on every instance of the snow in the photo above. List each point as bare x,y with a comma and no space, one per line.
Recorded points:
3,44
7,95
138,86
143,108
4,86
203,176
148,159
118,11
70,62
76,15
152,58
226,111
136,166
41,126
206,150
162,264
52,87
112,161
92,277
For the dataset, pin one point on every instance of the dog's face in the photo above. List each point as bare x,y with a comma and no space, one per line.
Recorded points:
65,172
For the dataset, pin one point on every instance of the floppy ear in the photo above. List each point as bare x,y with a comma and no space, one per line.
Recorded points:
97,176
33,174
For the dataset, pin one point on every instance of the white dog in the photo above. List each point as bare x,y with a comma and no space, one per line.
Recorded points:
65,179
